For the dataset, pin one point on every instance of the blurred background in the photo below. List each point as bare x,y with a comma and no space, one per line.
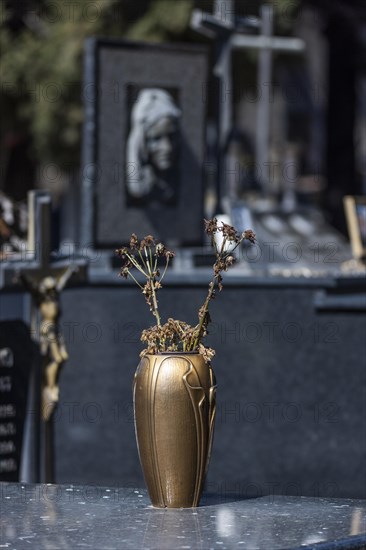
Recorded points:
318,99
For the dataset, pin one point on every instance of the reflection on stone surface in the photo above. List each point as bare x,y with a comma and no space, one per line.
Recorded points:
356,520
94,517
226,522
312,539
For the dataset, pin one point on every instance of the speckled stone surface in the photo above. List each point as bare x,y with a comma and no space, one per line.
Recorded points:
66,516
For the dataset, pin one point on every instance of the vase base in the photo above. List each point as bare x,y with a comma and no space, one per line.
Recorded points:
173,506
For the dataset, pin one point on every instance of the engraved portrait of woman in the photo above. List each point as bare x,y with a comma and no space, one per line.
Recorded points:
153,149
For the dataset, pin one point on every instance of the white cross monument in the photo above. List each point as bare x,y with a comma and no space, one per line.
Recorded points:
221,26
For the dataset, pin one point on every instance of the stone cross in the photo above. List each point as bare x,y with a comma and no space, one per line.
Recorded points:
221,27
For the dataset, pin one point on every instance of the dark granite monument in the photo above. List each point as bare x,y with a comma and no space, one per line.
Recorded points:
143,142
18,356
291,377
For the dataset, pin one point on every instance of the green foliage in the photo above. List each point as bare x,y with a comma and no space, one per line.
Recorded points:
164,19
41,65
41,70
286,12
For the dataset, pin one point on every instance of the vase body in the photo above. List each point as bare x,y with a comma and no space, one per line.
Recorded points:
174,408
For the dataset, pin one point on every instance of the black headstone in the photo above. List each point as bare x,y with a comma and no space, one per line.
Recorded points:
116,73
17,353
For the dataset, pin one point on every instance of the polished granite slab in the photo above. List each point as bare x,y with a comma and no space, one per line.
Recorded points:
88,517
291,395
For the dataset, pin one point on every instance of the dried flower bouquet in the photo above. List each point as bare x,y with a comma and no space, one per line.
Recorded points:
145,255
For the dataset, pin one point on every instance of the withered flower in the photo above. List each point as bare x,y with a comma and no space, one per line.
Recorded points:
149,240
147,289
208,353
229,232
124,272
211,226
160,249
249,235
229,261
121,252
169,254
134,243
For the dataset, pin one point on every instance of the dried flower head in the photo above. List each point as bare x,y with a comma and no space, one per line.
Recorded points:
149,240
121,252
229,261
134,243
160,249
208,353
229,232
124,272
249,235
211,226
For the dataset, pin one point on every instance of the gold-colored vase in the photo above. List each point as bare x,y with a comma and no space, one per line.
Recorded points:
174,407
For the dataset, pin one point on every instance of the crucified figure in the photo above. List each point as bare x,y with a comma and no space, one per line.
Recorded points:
46,296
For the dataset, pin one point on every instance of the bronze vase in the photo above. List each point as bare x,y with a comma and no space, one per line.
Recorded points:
174,408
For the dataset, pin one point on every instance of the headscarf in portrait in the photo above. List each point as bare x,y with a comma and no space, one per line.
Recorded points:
151,105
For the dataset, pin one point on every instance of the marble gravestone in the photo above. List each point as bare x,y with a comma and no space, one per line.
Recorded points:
143,146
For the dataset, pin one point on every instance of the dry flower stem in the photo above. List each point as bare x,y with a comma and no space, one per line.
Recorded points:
230,234
177,335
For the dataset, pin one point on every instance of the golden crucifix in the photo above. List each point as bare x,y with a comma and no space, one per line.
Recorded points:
46,296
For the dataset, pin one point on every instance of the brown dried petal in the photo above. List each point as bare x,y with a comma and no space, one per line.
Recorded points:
160,249
207,353
229,232
124,272
147,288
134,243
121,252
249,235
229,261
149,240
211,226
